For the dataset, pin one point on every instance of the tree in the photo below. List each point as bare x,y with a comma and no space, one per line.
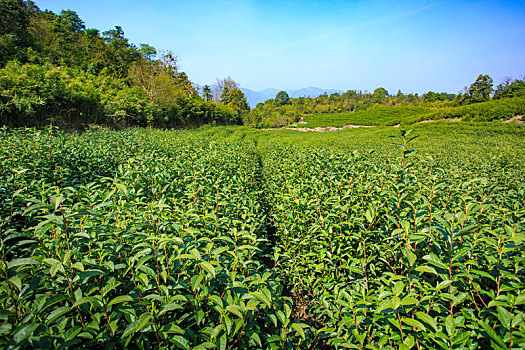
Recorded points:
146,75
223,88
147,51
14,35
68,31
161,81
183,82
400,96
282,98
510,88
481,89
206,93
120,54
350,94
71,22
380,95
169,60
238,102
430,97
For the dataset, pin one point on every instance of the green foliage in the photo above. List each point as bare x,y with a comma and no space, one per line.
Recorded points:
238,102
14,35
206,93
380,95
510,88
494,110
374,116
401,253
70,76
481,89
267,115
136,239
282,98
273,113
238,238
39,95
70,98
434,96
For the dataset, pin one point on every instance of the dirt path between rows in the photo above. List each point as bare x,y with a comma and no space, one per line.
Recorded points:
332,128
440,120
320,129
516,119
324,129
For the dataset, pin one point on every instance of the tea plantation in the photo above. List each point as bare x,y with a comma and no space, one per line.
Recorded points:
494,110
236,238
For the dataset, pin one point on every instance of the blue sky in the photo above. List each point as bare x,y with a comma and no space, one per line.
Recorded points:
415,46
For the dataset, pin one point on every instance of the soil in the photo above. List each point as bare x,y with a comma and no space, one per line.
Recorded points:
320,129
301,121
332,128
515,119
441,120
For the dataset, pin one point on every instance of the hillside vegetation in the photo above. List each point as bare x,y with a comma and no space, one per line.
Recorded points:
480,102
494,110
55,71
374,116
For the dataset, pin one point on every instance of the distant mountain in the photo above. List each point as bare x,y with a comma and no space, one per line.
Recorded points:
255,97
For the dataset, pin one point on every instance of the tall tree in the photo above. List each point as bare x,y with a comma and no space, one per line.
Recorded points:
510,88
282,98
182,81
223,88
147,75
160,80
68,30
481,89
400,96
14,35
120,53
238,102
147,51
380,95
206,93
237,99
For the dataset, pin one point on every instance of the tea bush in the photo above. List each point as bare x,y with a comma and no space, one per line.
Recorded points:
373,116
239,238
493,110
401,255
135,239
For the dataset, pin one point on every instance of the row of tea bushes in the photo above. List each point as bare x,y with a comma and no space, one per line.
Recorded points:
135,239
403,254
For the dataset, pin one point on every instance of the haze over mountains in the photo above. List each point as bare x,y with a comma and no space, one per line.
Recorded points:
255,97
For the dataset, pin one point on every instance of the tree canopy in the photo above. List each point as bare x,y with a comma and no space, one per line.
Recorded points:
282,98
481,89
119,81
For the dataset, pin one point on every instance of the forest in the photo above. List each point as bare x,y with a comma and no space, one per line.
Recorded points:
56,71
